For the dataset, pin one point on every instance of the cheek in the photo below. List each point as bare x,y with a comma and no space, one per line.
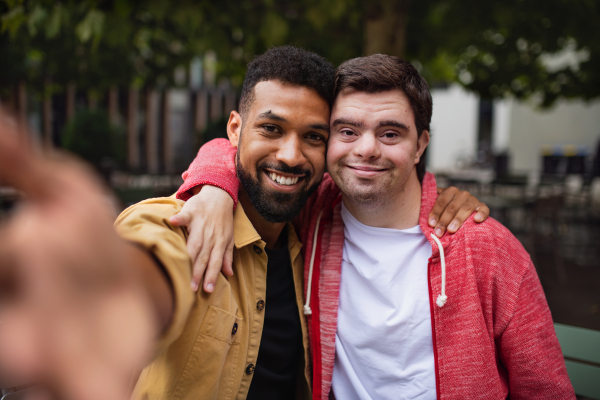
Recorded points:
335,151
316,158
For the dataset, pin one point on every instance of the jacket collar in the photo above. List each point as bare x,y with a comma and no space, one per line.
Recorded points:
245,234
428,197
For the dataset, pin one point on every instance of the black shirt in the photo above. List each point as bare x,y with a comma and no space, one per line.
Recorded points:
280,348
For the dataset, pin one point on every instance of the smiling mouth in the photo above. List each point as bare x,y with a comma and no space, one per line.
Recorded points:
283,180
366,168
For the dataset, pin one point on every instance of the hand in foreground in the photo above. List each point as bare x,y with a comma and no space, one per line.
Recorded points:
452,208
73,313
209,219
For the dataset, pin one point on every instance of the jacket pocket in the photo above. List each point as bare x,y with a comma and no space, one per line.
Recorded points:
211,364
221,325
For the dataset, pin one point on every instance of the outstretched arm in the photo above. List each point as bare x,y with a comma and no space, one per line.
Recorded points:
84,307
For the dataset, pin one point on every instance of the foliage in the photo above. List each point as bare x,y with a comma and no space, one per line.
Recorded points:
91,136
545,49
214,130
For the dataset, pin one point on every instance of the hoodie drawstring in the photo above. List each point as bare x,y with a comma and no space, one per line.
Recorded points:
441,299
307,310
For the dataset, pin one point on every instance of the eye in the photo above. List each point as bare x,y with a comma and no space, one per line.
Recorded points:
315,137
271,128
346,132
390,137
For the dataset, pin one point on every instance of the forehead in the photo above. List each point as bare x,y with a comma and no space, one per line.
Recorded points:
288,100
371,108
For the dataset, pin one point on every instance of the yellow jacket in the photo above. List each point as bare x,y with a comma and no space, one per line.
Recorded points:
210,347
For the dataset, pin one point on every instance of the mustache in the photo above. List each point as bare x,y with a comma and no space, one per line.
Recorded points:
286,169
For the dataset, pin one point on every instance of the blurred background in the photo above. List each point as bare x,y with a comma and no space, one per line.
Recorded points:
135,87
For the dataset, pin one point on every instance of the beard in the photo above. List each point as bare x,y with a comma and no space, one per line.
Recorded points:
272,205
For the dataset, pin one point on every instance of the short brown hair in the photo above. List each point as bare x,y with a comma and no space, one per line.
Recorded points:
379,73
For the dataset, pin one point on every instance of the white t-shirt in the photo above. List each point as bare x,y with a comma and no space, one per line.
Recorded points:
383,343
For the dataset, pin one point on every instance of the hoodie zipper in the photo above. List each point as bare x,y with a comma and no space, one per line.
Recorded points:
433,337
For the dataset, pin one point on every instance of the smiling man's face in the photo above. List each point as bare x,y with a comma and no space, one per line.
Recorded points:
374,148
281,148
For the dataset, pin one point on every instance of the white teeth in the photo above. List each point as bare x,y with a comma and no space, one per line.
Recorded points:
282,180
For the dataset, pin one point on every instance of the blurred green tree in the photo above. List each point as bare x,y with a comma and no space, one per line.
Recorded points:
91,136
545,49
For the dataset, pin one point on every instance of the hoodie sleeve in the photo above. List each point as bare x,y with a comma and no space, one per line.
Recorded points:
214,165
529,348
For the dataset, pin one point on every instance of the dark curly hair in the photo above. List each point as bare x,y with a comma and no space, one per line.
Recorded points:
288,64
379,73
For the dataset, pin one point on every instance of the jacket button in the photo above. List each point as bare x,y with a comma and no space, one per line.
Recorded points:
260,305
250,369
257,249
235,328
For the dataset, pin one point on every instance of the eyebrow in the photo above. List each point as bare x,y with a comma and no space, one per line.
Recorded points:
357,124
322,127
271,115
393,123
344,121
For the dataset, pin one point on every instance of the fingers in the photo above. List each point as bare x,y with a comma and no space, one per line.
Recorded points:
228,259
214,268
440,205
483,211
181,219
199,255
466,209
453,207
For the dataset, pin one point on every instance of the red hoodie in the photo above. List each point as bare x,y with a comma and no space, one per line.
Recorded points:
492,337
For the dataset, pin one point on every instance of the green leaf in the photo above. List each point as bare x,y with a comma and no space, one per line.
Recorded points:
90,26
36,18
12,20
53,27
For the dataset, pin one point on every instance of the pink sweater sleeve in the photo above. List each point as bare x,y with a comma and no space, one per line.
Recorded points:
530,350
214,165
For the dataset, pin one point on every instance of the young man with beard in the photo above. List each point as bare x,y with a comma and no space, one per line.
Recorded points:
393,310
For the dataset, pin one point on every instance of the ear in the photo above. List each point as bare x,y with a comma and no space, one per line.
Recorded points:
234,128
422,143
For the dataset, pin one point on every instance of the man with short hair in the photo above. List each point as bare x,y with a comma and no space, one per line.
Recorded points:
393,310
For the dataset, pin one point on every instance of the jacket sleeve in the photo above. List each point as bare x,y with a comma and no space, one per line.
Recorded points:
214,165
147,225
529,348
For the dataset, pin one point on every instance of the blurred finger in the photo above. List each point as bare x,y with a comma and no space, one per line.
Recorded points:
483,212
180,219
228,259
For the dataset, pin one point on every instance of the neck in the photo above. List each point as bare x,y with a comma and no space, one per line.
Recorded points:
400,211
269,231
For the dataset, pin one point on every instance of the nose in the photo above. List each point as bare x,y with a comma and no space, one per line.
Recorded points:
290,151
367,147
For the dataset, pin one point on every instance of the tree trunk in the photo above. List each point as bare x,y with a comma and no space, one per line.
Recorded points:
133,152
48,139
71,97
113,105
152,106
385,27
